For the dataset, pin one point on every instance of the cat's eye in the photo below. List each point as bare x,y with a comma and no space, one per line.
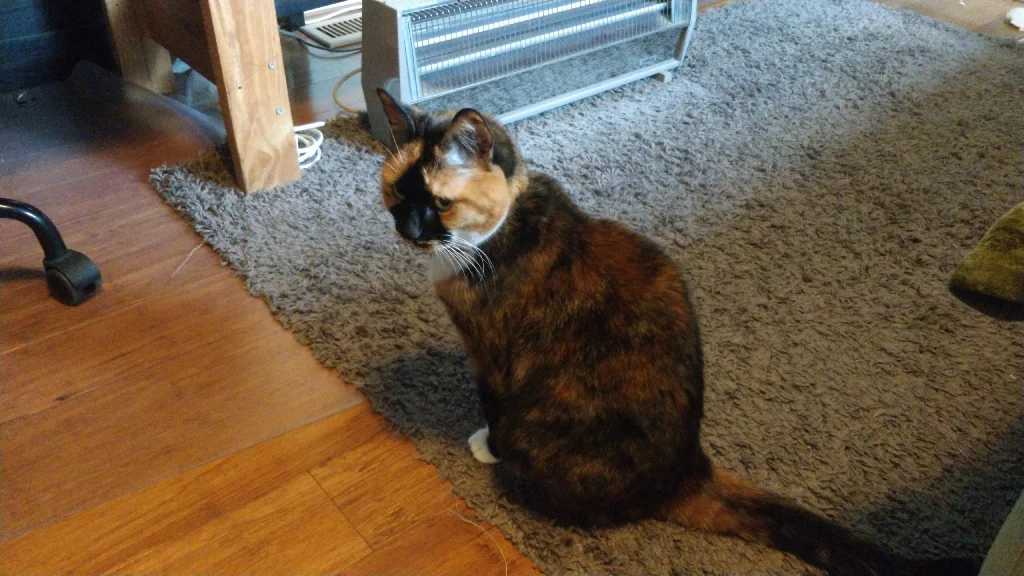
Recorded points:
443,204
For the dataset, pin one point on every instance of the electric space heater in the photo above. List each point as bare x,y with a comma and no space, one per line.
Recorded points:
514,58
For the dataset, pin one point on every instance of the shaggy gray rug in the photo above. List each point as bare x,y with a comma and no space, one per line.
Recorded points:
818,169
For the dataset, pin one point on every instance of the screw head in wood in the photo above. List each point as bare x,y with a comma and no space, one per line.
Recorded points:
280,111
272,64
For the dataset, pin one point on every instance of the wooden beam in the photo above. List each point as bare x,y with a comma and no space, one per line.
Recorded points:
180,28
248,69
142,60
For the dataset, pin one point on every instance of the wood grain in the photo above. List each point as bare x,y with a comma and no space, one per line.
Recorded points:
142,61
118,346
259,511
249,73
182,31
380,513
292,530
73,201
153,400
136,265
414,523
445,544
158,417
156,517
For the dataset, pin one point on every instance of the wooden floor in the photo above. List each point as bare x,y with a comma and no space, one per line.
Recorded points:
170,425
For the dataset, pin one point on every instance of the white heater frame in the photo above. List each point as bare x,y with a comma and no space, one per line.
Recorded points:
387,36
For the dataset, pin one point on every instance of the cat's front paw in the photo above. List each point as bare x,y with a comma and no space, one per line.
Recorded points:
479,447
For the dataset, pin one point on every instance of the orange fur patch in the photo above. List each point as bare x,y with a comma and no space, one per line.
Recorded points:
707,509
480,197
394,166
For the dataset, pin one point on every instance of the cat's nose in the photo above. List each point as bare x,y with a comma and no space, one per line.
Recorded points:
412,227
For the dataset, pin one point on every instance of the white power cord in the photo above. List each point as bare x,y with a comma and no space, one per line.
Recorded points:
308,144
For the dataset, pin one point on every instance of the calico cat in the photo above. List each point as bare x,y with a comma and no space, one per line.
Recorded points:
585,346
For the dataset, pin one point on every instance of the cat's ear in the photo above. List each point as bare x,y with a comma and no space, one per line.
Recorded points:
401,118
468,139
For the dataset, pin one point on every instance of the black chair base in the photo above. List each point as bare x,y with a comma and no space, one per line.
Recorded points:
71,276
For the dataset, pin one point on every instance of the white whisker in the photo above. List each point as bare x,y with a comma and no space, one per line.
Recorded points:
471,267
392,154
445,254
395,140
478,267
455,260
470,245
465,264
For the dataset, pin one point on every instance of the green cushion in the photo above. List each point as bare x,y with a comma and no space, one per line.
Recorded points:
991,277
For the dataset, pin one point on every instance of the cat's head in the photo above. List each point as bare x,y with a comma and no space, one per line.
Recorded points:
451,177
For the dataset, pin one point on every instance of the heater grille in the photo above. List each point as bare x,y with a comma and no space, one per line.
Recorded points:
468,42
515,58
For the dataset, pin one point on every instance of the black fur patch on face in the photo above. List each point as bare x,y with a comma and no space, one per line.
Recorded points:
416,217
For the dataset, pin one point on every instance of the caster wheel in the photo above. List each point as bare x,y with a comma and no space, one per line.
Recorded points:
72,278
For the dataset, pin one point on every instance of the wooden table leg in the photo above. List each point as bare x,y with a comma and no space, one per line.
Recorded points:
142,61
245,50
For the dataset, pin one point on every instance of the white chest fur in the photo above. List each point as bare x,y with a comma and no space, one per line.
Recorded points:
442,267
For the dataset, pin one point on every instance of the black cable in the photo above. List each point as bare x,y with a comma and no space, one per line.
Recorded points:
309,44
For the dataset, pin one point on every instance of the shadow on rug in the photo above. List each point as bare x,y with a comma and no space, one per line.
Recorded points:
818,169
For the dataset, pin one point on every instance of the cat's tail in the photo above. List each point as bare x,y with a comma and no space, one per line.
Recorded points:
726,504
